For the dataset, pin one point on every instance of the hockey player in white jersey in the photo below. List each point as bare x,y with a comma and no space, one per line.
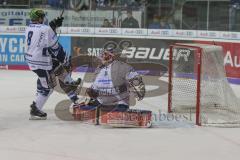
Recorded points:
47,58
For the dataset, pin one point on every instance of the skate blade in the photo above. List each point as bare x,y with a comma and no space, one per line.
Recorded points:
37,118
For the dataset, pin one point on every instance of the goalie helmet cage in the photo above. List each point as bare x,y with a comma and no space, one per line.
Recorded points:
198,83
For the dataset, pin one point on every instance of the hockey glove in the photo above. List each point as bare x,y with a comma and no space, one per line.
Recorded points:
57,22
138,87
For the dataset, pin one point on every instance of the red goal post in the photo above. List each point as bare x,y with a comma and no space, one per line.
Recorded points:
198,82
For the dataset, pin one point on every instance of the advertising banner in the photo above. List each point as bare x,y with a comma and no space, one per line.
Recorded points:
145,49
146,54
155,50
232,57
12,49
152,51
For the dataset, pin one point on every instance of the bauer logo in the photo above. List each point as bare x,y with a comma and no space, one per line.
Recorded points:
181,53
146,52
154,53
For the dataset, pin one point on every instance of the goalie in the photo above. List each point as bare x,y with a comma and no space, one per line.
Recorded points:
114,83
48,60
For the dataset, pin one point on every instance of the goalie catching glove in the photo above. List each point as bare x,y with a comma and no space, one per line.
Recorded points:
138,86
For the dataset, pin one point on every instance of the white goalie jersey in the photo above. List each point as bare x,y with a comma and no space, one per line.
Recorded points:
113,82
38,38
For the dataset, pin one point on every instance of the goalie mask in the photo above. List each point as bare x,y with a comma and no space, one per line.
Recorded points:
108,55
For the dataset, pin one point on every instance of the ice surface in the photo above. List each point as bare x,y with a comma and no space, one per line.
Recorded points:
54,139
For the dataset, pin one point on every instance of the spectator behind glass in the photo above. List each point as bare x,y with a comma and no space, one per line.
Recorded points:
164,23
102,3
3,2
113,3
130,21
123,3
58,3
128,3
106,24
155,23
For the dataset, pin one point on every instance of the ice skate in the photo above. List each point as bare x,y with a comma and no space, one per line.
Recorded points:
36,114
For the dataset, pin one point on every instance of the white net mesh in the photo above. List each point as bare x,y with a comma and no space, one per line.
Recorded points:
218,103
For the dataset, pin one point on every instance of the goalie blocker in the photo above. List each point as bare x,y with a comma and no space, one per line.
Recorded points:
112,116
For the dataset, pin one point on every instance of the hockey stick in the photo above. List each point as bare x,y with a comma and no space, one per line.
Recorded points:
63,10
61,15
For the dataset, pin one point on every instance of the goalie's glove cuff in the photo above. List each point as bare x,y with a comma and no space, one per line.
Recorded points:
57,22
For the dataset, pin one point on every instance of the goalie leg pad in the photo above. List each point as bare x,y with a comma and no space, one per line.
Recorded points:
120,117
85,113
129,118
92,114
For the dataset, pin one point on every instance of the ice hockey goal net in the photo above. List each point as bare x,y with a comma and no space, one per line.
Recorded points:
198,84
